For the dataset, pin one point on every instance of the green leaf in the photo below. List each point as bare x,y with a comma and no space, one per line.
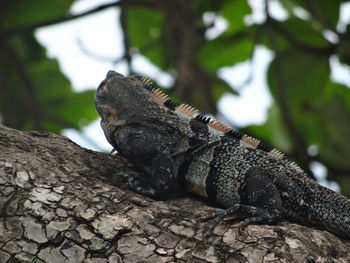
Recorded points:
220,88
335,116
325,12
234,12
319,110
234,45
272,132
263,35
145,31
292,33
61,107
296,79
75,111
304,32
224,51
207,5
22,13
36,95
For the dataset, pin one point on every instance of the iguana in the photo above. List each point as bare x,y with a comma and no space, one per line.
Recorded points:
175,144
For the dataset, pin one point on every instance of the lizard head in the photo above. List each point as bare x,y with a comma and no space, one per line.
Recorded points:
121,100
116,96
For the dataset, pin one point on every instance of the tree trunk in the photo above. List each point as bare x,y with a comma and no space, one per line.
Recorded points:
63,203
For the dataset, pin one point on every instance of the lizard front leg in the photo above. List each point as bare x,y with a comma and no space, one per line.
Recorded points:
145,150
161,180
260,201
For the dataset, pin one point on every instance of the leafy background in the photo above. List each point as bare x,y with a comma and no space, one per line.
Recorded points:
309,118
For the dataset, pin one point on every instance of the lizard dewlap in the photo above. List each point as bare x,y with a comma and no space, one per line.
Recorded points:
175,144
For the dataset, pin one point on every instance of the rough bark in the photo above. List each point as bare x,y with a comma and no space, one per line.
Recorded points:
63,203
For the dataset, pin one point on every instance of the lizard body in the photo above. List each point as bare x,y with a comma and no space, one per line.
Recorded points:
173,143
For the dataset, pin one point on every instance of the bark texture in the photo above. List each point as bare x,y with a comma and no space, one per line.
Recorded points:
63,203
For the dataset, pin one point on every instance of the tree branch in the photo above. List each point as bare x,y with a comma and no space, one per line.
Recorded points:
30,28
58,201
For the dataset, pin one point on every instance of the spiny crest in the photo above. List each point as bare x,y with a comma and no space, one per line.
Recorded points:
219,126
187,110
170,104
160,95
264,147
255,143
276,154
202,118
191,112
147,82
295,167
234,134
250,141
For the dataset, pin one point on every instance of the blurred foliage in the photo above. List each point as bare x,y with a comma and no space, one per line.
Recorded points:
308,109
34,92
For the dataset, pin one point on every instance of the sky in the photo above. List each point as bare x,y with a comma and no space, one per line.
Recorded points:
86,48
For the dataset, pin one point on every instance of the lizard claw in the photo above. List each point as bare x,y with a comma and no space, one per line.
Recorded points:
241,227
213,215
209,230
217,216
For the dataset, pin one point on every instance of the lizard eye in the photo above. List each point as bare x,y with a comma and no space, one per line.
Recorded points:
106,113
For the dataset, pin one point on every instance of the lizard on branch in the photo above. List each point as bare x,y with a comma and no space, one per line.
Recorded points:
175,144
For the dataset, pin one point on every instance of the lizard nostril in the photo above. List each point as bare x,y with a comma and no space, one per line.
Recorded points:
102,87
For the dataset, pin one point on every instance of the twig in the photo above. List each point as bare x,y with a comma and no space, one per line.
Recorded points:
324,51
95,56
320,18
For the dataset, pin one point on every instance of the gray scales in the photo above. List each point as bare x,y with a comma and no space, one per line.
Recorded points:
175,144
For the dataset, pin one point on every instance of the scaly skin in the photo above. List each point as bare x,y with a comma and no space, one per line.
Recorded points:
175,145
